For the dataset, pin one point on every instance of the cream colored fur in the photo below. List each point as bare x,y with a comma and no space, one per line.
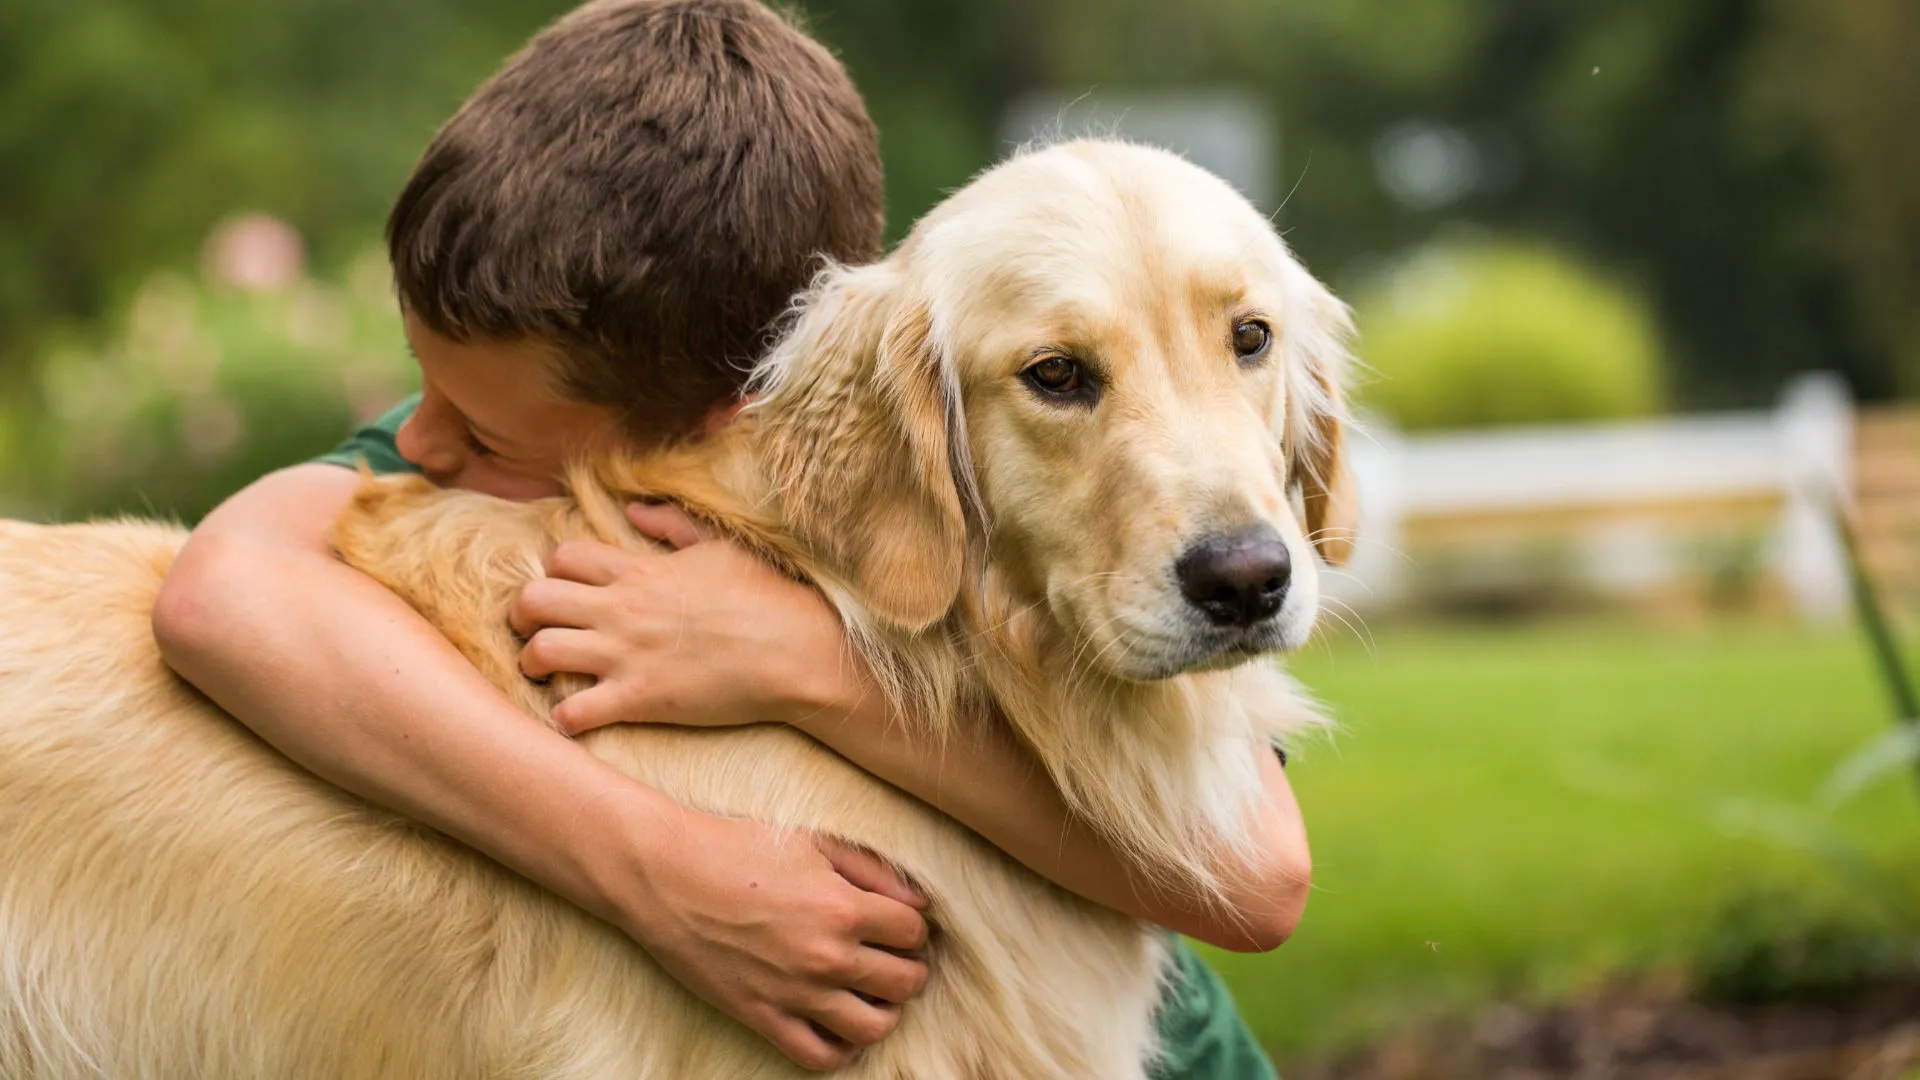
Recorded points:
176,900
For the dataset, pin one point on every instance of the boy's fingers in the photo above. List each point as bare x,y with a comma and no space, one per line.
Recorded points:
588,562
808,1046
868,871
856,1020
887,977
595,707
545,602
668,524
558,648
889,924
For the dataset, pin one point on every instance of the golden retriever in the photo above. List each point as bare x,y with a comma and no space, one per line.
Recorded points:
1066,451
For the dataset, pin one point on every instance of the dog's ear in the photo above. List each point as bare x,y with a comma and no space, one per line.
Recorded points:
855,421
1317,419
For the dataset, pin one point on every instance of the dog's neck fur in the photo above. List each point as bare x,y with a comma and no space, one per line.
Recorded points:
1164,770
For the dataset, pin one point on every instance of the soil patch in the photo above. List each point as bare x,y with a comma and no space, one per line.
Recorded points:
1651,1033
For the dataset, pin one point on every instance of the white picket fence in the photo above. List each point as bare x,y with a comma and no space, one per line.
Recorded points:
1797,454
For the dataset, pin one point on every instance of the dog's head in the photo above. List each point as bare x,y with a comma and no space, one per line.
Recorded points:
1101,366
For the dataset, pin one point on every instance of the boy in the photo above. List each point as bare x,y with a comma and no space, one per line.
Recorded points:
589,252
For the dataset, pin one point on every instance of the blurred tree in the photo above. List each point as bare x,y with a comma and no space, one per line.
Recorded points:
936,75
1620,128
1628,144
127,128
1839,84
1749,161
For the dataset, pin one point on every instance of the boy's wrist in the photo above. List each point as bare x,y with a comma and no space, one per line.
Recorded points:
619,845
827,694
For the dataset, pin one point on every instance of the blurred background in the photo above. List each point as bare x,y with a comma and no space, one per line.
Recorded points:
1622,786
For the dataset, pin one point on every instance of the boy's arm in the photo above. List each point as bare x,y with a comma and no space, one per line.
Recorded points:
994,786
710,635
347,680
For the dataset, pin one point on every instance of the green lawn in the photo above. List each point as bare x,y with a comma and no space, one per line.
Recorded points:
1524,810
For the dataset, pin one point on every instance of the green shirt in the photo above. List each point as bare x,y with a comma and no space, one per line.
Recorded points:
374,444
1201,1033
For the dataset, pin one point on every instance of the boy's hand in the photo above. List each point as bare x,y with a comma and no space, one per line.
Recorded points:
798,937
708,635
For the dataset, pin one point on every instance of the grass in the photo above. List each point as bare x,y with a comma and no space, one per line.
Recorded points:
1523,810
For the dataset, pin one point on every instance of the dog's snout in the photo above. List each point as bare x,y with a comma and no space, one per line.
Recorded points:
1237,578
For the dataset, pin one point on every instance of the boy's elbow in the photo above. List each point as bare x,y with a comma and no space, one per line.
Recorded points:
1270,910
1257,932
1275,928
178,615
185,613
218,595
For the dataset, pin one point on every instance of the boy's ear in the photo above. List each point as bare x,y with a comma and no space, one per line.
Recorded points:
855,423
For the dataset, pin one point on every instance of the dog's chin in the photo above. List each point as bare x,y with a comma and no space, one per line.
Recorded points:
1191,645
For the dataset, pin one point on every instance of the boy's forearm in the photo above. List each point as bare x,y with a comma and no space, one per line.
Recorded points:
988,782
349,682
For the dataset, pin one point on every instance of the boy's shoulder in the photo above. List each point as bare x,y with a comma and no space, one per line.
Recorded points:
374,443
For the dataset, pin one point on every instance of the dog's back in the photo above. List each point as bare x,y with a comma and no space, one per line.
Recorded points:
177,899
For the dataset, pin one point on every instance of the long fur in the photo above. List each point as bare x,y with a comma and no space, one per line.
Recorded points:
177,900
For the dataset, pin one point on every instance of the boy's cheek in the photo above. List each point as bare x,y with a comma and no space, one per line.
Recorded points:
505,483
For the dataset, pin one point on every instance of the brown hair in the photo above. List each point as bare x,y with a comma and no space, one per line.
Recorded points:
644,186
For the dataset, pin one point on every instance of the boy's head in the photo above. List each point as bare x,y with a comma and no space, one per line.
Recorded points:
623,211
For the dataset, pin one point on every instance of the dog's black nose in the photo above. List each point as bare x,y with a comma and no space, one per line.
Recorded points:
1237,578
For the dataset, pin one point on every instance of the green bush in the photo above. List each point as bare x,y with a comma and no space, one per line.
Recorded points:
1772,946
1487,333
199,389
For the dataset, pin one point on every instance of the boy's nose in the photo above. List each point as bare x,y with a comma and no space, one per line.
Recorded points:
431,448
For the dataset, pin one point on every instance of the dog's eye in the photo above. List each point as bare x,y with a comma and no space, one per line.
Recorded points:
1250,340
1055,375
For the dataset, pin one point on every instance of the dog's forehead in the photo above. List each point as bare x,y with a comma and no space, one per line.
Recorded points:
1087,224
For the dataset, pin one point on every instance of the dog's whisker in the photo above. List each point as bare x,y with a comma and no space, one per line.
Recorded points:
1344,575
1076,671
1117,639
1301,179
1362,539
1361,631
